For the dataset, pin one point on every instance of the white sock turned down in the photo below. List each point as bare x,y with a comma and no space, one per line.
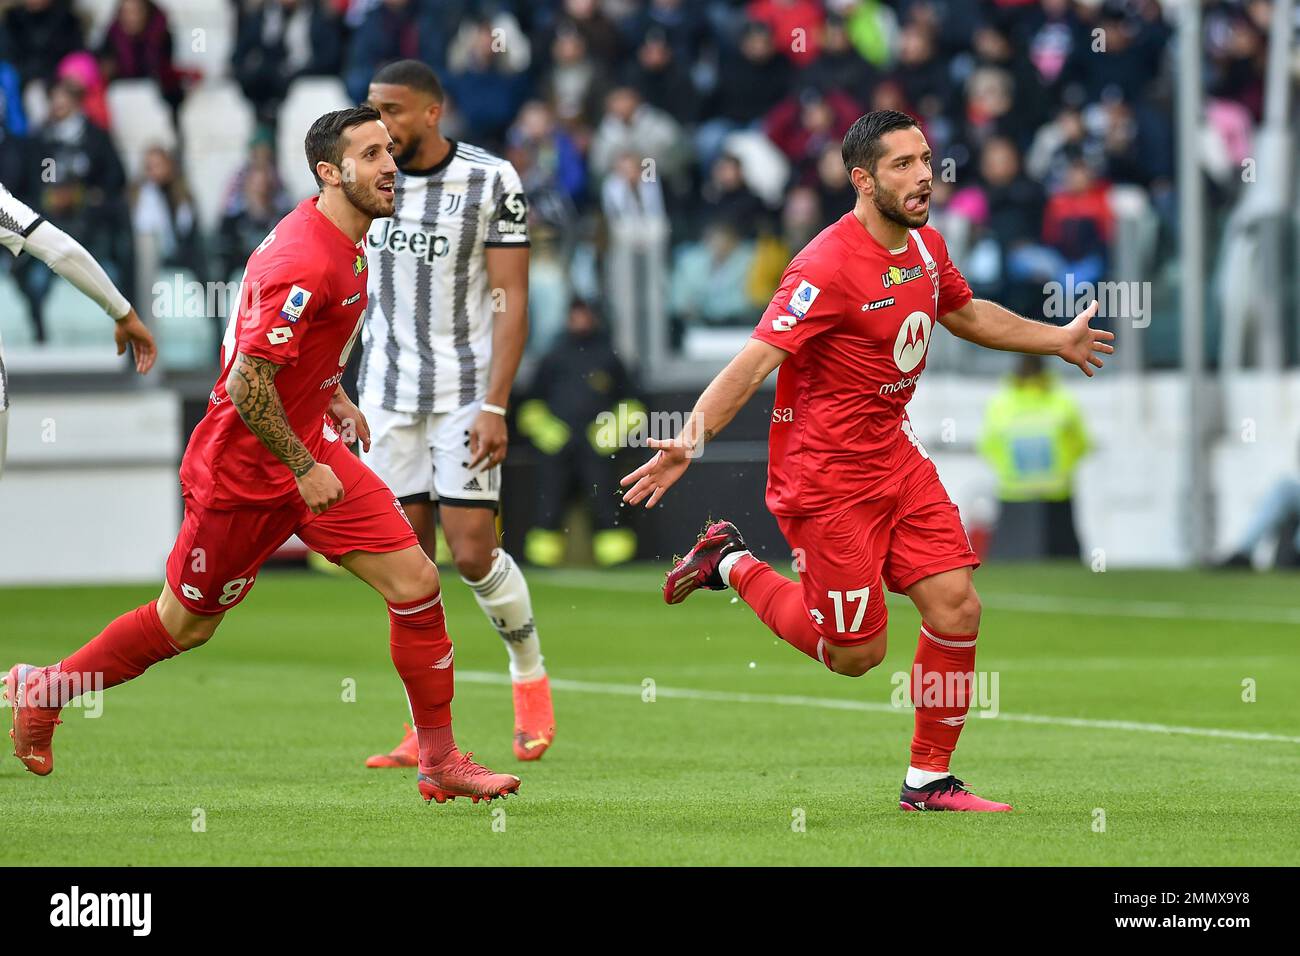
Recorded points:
923,778
727,563
503,596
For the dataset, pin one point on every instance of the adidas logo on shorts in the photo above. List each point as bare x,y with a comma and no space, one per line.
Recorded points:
472,485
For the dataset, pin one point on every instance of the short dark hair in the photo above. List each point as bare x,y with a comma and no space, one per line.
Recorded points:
324,142
862,143
412,74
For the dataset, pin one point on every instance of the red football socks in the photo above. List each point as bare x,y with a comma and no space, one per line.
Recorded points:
437,746
422,654
942,685
123,650
778,602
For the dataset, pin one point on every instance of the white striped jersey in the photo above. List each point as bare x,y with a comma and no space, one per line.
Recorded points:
427,342
17,220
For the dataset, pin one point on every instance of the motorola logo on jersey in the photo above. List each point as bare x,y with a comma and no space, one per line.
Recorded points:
912,341
423,245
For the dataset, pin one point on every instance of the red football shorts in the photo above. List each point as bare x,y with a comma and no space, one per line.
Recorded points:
218,552
908,532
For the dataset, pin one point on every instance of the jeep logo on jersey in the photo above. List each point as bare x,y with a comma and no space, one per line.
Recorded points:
912,341
423,245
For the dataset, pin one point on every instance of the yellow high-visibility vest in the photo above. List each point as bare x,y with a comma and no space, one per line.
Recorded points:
1034,437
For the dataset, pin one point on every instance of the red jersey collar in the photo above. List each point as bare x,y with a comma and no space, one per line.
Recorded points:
852,222
308,206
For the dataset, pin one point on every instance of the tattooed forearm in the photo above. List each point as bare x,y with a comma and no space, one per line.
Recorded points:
251,385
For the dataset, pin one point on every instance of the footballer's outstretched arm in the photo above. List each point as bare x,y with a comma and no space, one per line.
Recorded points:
992,326
507,275
251,386
717,406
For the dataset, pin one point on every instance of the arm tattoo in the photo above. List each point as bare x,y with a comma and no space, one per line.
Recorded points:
251,385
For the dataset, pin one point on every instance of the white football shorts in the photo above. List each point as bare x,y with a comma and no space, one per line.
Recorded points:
425,457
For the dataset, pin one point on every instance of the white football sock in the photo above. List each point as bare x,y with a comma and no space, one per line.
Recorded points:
923,778
503,596
727,563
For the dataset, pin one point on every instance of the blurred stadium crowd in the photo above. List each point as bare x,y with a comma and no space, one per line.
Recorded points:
709,127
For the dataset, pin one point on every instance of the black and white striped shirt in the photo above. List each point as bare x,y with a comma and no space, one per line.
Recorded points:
428,335
17,220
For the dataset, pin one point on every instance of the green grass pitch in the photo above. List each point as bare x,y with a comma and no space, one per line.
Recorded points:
745,737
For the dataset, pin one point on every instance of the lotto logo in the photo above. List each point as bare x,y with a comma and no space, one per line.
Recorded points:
280,336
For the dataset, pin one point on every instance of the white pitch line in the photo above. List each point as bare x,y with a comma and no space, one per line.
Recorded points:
832,703
1100,606
1163,610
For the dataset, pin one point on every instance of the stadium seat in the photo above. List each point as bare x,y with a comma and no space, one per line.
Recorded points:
141,118
36,103
203,35
15,318
308,98
765,169
187,337
72,319
216,125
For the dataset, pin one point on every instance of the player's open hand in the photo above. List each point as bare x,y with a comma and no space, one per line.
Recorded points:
320,488
653,479
131,331
352,423
1081,343
487,441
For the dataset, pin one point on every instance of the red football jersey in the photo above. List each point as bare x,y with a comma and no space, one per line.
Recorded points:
300,305
856,319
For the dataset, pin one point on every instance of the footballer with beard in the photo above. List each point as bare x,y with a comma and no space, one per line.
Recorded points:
268,461
853,490
447,326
